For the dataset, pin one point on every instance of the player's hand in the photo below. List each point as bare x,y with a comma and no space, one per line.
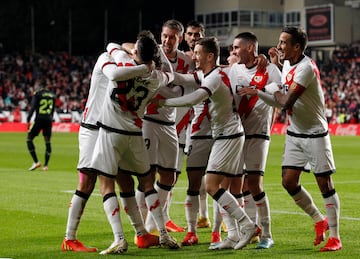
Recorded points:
272,88
246,91
274,56
273,52
261,62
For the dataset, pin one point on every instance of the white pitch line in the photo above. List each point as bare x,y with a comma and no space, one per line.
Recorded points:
301,213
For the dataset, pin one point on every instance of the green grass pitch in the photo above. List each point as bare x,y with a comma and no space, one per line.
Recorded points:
34,206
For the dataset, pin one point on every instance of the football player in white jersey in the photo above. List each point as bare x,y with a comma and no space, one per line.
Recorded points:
257,119
217,217
120,151
226,126
200,131
104,70
159,126
307,137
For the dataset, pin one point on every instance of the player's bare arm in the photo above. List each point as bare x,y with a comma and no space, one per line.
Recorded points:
287,100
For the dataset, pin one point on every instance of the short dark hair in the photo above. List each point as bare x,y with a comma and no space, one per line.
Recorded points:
249,36
148,49
174,25
211,45
196,24
298,35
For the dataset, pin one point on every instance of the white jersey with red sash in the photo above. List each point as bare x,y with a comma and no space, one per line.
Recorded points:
307,115
256,115
200,125
182,64
125,101
221,105
226,124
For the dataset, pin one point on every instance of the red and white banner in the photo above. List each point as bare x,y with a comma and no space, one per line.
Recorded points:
334,129
22,127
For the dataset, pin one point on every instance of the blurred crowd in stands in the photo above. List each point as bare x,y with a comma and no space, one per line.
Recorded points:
21,74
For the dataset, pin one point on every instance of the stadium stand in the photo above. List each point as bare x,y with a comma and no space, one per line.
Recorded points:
68,77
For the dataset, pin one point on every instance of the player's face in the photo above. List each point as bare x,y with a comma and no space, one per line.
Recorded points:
285,47
170,41
192,35
240,49
200,57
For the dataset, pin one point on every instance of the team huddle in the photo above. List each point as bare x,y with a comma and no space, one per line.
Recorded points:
151,105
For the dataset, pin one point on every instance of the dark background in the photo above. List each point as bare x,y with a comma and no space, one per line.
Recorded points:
51,23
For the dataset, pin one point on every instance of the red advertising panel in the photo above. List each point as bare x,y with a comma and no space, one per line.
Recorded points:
334,129
319,24
278,128
22,127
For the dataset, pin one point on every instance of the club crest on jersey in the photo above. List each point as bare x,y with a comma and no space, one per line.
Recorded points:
258,79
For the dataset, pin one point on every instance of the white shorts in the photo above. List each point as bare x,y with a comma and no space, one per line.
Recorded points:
225,156
87,139
255,154
315,151
114,151
198,153
162,144
181,158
